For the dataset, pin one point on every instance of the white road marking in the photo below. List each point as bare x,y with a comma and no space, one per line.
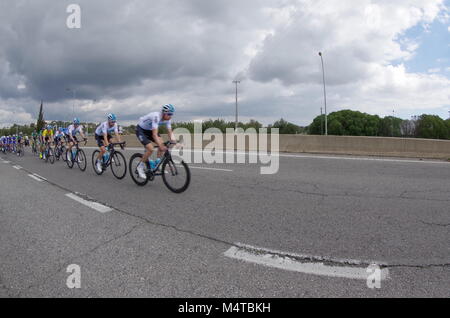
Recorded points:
4,161
213,169
93,205
35,178
36,175
312,156
292,262
17,167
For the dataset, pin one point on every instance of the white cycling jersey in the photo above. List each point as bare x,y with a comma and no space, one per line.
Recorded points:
104,128
74,131
153,121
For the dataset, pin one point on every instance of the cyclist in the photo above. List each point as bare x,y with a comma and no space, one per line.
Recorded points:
59,135
47,138
2,142
147,132
103,136
73,130
20,142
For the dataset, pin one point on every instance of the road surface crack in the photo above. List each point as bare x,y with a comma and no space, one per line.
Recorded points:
436,224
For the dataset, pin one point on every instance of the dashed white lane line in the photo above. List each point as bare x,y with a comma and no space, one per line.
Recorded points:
212,169
17,167
93,205
302,264
4,161
36,175
32,176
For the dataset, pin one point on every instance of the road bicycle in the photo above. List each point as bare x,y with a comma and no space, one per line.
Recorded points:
175,172
49,154
20,150
115,159
77,156
34,149
60,151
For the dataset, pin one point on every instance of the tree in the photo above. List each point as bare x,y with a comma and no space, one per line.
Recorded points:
287,127
433,127
40,122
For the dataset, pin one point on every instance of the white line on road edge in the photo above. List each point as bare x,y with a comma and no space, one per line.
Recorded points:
35,178
312,156
93,205
17,167
291,262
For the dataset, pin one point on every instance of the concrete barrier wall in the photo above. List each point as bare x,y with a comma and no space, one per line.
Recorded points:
368,146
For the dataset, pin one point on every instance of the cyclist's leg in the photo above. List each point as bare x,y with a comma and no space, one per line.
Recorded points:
146,139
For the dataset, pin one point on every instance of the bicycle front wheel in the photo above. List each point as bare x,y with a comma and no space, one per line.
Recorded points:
118,165
81,160
176,175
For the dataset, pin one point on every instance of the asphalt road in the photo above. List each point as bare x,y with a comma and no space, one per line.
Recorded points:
158,244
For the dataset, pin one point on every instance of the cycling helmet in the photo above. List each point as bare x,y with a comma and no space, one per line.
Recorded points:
112,117
168,109
76,121
49,127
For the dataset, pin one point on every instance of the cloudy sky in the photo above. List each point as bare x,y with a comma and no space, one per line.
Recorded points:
129,57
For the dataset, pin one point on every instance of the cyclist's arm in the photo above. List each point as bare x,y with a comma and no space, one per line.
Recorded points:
82,134
171,135
105,138
158,140
116,132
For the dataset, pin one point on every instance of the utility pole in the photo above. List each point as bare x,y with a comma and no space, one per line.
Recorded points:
236,121
324,94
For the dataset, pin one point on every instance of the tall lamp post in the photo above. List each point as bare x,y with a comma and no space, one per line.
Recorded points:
236,122
74,93
324,94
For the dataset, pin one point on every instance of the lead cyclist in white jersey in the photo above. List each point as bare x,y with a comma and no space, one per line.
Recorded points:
147,132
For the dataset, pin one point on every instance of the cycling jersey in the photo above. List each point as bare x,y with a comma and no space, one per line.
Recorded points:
104,128
72,131
59,134
152,121
47,133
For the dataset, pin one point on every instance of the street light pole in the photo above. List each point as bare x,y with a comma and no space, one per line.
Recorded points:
324,94
236,122
321,122
73,106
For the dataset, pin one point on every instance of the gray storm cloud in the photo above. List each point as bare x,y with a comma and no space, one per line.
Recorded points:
130,56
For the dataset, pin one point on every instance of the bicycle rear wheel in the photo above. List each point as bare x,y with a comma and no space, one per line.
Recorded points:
51,156
135,160
81,160
119,165
176,175
69,159
94,162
